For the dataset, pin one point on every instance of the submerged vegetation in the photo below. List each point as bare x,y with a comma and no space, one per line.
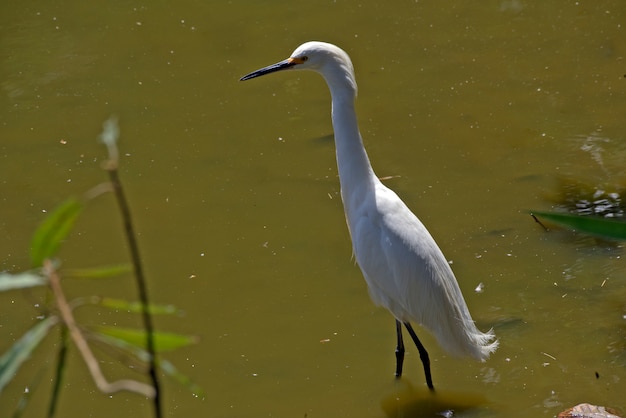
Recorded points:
593,210
142,346
585,199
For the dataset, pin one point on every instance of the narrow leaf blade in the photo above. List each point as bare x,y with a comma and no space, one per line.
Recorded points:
53,230
137,307
165,366
98,272
11,360
170,370
600,227
10,281
163,341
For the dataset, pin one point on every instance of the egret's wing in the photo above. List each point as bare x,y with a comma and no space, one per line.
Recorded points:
408,274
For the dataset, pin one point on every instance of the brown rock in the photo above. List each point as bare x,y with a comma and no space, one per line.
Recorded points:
585,410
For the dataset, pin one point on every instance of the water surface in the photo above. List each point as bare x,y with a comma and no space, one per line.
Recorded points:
475,110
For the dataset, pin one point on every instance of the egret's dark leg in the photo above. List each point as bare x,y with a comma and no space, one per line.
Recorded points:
399,350
423,355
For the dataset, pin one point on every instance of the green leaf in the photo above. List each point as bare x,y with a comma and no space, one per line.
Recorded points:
600,227
140,353
137,307
163,341
10,281
165,366
170,370
98,272
11,361
53,230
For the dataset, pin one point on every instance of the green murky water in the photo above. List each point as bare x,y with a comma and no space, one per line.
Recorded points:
476,110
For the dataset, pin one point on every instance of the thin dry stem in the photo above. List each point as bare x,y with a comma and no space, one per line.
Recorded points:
83,347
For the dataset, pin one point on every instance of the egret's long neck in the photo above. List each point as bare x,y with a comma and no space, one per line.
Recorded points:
355,171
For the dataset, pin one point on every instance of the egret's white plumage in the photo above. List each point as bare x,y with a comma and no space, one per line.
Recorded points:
405,270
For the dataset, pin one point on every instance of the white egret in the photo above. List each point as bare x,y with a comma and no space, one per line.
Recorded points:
405,270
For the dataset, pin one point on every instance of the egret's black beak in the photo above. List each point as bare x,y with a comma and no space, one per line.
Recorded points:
283,65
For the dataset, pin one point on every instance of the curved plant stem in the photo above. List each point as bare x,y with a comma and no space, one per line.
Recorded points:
80,342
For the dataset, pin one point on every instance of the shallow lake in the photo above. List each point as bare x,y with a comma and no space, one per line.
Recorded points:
475,112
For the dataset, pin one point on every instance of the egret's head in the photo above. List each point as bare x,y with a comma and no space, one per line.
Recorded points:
320,55
327,59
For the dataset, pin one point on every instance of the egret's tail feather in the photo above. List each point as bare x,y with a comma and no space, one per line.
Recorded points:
467,341
485,345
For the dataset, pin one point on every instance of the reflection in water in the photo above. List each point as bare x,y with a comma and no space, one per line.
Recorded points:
408,402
